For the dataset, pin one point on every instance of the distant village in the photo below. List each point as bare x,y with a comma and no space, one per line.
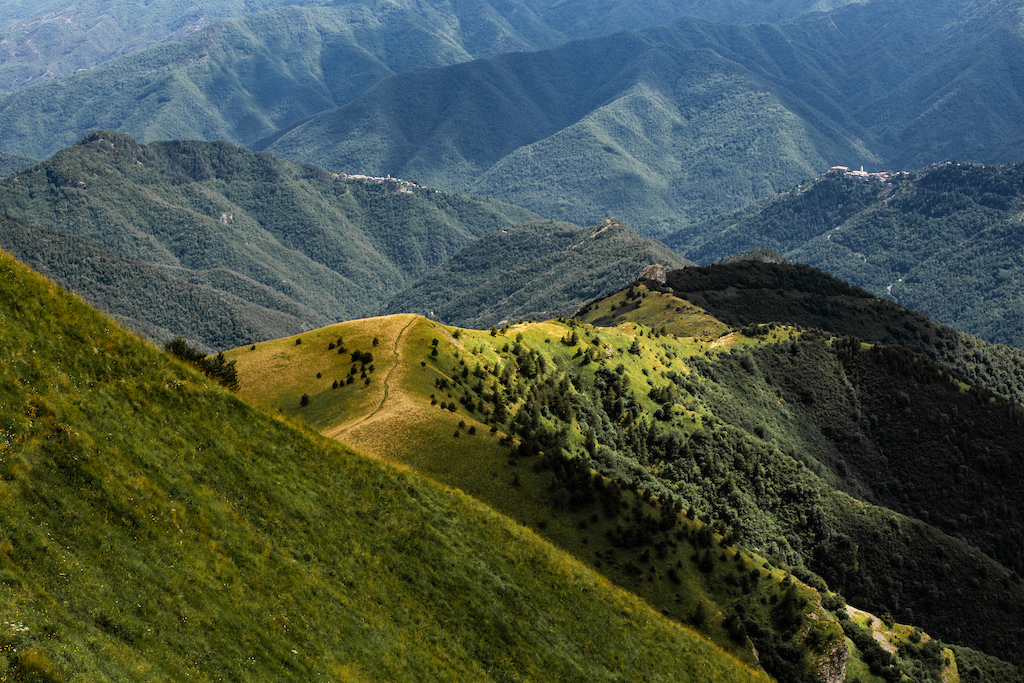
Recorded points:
881,176
400,185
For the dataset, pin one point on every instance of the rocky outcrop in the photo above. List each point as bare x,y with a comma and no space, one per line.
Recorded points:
655,272
831,666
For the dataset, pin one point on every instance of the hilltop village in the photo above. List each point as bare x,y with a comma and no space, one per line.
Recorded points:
880,176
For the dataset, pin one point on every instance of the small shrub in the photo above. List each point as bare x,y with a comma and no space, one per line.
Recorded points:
304,401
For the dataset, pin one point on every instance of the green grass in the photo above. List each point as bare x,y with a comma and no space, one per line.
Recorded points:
654,309
159,528
751,436
412,428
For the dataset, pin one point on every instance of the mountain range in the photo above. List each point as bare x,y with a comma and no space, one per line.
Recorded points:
660,125
458,437
60,38
168,245
668,125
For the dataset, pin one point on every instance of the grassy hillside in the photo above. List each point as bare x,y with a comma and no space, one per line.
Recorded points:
210,540
532,270
670,125
943,240
390,407
288,247
559,424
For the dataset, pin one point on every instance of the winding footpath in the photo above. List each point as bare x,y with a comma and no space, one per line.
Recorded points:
387,382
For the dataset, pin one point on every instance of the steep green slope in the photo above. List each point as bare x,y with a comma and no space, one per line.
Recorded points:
306,245
210,540
532,270
526,417
795,420
944,240
391,409
668,125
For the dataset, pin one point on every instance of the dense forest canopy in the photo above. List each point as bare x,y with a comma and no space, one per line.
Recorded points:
945,240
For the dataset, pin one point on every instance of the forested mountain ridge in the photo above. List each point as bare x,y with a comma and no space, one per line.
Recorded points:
537,271
750,293
882,424
158,302
275,63
42,40
304,245
945,240
668,125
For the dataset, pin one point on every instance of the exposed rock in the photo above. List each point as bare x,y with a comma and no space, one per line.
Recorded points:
655,272
831,666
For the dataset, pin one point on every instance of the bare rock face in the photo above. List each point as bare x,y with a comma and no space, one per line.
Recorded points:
655,272
831,666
